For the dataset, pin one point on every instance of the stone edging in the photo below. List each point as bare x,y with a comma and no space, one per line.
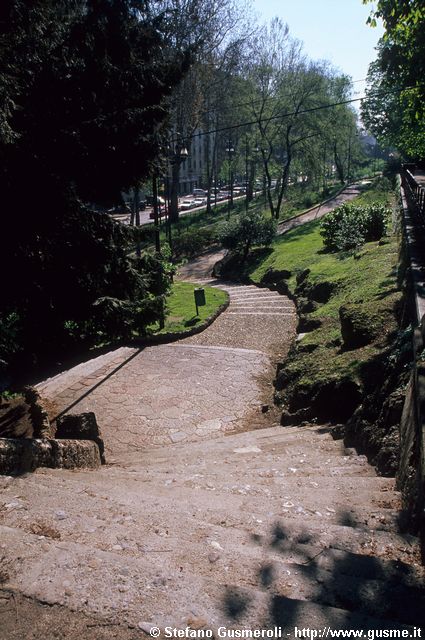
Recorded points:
24,455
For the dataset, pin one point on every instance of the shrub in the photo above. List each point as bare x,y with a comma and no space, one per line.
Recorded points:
248,230
349,226
193,241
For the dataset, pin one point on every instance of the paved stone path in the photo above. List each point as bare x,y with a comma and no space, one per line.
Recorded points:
318,212
213,383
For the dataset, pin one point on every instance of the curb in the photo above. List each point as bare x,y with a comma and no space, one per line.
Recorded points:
173,336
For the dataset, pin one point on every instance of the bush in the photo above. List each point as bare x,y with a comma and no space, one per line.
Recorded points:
248,230
349,226
193,241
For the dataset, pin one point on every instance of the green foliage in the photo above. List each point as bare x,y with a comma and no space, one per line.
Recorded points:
83,96
249,230
350,226
193,241
394,110
78,286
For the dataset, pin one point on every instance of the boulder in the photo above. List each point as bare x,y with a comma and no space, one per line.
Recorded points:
358,327
302,276
295,419
304,305
39,417
273,276
306,324
322,291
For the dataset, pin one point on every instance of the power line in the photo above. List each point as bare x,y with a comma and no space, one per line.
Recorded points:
288,115
252,102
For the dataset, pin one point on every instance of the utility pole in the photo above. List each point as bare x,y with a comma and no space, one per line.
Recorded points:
349,158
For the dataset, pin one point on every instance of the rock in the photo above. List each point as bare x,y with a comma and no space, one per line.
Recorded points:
264,408
349,451
338,431
147,627
273,276
307,348
60,515
82,426
358,326
216,545
195,622
39,418
294,419
302,276
306,324
282,287
304,305
322,291
213,557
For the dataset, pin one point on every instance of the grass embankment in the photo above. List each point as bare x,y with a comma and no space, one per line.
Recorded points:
181,310
367,278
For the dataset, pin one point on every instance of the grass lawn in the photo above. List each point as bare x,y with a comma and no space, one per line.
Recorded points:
181,310
368,278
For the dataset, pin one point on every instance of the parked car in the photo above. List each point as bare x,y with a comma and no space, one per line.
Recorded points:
200,202
187,204
200,193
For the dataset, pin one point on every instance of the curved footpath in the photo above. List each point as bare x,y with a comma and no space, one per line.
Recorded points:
208,514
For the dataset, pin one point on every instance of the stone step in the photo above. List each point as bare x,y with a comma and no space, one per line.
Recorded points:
110,583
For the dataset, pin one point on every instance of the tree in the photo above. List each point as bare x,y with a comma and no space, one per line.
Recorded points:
219,28
84,86
394,110
250,229
289,98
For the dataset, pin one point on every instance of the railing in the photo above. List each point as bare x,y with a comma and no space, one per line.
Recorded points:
415,191
411,472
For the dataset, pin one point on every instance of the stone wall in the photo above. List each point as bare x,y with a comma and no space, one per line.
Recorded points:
19,456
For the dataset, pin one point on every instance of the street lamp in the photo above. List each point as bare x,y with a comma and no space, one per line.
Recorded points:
251,178
176,159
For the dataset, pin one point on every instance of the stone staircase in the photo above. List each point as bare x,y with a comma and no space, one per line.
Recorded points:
268,527
280,526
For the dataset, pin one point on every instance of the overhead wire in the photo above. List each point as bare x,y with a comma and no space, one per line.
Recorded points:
287,115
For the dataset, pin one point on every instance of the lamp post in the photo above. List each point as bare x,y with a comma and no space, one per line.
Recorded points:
156,212
176,159
251,178
230,151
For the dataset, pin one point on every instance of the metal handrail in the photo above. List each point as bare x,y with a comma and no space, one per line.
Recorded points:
415,192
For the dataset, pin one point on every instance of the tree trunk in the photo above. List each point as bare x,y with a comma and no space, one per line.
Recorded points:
174,196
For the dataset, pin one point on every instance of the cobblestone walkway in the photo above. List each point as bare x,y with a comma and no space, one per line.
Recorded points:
213,383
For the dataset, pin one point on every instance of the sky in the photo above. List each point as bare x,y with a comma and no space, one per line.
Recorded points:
333,30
